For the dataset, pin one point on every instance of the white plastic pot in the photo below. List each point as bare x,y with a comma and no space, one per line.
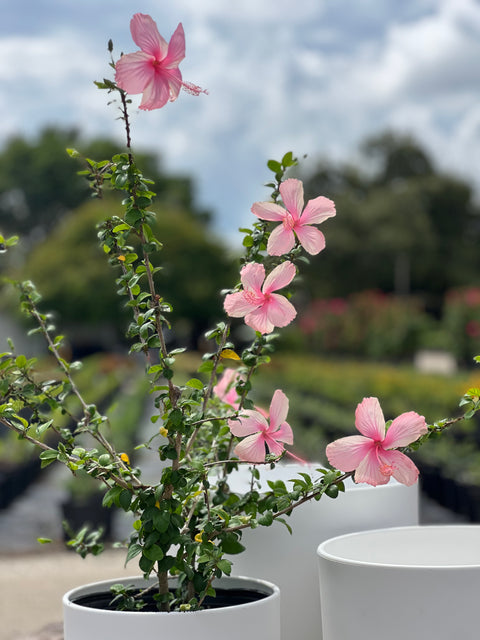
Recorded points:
290,560
258,619
407,582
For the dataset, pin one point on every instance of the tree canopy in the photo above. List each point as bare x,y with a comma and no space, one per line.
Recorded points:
402,225
76,281
39,182
46,202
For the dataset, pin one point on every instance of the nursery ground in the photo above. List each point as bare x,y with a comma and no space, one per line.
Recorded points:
32,582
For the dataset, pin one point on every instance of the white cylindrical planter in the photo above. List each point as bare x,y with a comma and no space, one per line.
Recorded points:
407,582
257,619
290,560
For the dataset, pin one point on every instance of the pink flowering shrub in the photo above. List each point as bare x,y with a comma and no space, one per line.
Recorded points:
461,322
187,522
370,324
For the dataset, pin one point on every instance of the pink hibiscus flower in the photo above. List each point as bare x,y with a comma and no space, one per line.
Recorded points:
225,388
372,455
154,70
263,310
264,435
226,391
294,222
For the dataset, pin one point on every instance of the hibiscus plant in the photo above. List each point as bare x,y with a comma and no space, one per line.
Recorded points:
189,522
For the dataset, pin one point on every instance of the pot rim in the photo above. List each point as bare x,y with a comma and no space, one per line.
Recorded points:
271,589
424,531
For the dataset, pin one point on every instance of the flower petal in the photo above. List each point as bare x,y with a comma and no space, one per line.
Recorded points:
403,469
347,453
281,241
291,191
176,48
252,276
249,422
174,80
311,239
278,409
251,449
280,277
284,433
156,94
225,387
145,35
369,470
237,305
134,71
318,210
405,429
274,447
279,310
369,419
258,320
268,211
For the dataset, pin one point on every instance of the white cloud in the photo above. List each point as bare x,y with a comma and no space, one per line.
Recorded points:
316,80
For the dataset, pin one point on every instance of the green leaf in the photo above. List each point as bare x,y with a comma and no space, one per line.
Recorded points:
195,383
133,551
20,361
231,545
266,519
47,457
112,496
206,366
225,566
288,159
161,520
125,499
43,427
274,166
153,553
145,564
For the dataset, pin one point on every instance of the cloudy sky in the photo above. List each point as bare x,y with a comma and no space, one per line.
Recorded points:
312,76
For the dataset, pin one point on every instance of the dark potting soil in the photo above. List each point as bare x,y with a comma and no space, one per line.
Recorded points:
223,598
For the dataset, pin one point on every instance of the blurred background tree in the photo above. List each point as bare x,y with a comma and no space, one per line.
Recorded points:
39,182
402,225
404,230
44,200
